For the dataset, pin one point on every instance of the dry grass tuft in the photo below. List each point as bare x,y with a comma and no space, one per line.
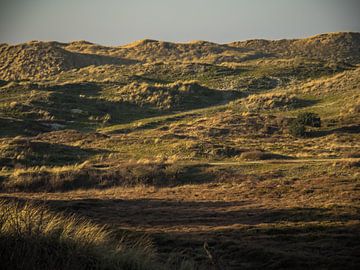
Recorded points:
32,237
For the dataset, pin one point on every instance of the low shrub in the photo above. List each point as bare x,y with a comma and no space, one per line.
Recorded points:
297,129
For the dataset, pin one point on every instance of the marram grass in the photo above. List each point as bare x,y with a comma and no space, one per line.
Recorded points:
32,237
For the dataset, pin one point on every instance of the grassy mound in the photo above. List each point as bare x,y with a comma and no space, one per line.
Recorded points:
330,46
38,60
271,101
85,175
26,152
177,95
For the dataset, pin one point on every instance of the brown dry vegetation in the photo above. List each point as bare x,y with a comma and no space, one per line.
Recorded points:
280,215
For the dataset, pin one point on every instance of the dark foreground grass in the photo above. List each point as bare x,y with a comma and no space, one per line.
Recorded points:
32,237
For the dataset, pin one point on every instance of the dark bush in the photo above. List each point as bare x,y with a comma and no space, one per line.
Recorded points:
309,119
297,127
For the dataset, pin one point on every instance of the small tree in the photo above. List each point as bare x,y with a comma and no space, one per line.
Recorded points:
297,127
309,119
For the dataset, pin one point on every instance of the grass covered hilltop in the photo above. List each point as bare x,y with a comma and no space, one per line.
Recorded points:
159,155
